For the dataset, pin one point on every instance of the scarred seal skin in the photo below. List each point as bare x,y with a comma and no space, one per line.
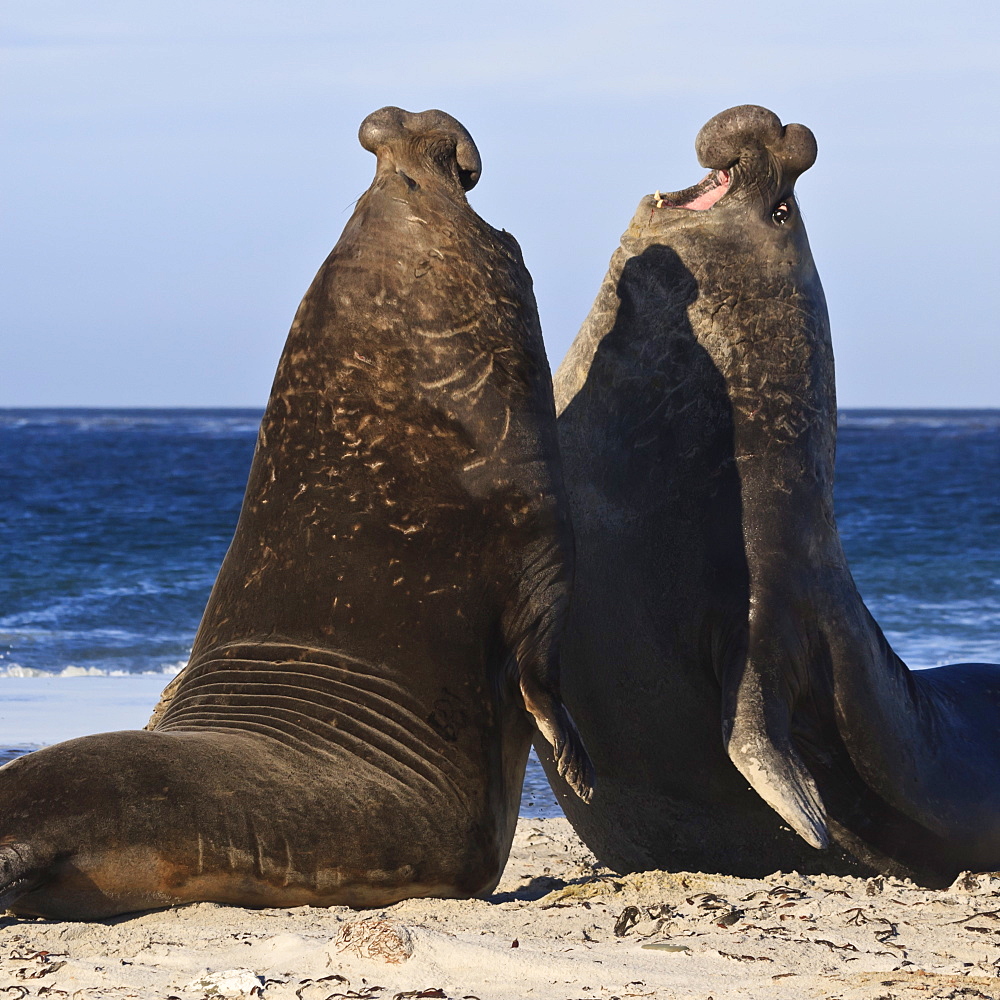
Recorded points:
352,726
717,642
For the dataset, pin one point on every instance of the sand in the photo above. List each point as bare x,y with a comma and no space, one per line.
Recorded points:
559,927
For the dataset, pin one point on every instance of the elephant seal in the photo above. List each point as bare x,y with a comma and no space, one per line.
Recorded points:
717,642
351,727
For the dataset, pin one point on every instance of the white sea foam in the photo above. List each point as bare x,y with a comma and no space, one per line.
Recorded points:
16,670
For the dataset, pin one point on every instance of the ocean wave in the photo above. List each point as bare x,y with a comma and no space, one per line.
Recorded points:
932,420
920,652
16,670
71,605
210,423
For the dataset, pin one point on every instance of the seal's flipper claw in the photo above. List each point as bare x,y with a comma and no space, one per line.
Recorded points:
780,778
758,741
557,727
759,706
19,873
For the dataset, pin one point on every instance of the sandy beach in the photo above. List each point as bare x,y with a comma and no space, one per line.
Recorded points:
559,927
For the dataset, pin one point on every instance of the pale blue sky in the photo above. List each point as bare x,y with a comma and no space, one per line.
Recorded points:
175,173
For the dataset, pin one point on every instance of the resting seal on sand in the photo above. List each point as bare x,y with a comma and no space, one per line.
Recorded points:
697,426
351,727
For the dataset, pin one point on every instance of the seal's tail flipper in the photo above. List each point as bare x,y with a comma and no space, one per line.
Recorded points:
560,732
20,872
758,741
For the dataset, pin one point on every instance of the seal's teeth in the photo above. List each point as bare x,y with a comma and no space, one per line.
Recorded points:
658,198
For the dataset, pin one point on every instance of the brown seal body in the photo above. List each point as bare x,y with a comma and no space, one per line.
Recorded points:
723,670
352,725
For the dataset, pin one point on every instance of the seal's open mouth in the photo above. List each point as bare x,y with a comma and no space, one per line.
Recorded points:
699,197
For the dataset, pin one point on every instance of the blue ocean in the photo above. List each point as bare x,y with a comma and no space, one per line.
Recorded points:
113,524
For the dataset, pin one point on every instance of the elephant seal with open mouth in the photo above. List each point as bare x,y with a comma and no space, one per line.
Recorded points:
717,642
355,718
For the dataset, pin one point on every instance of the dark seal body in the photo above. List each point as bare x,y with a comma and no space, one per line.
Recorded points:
718,659
352,725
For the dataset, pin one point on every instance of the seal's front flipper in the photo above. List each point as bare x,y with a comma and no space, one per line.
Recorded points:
557,727
533,627
758,741
20,872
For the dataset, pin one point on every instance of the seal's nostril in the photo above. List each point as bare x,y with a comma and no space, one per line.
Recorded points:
748,130
725,137
394,127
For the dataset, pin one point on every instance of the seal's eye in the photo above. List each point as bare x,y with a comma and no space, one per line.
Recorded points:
782,213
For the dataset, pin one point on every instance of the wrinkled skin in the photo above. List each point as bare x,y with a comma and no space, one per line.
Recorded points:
381,641
718,655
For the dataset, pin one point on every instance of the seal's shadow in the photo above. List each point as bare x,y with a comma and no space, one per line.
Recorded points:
657,411
659,620
651,434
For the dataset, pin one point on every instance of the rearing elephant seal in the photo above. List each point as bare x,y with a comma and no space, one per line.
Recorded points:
351,727
715,621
